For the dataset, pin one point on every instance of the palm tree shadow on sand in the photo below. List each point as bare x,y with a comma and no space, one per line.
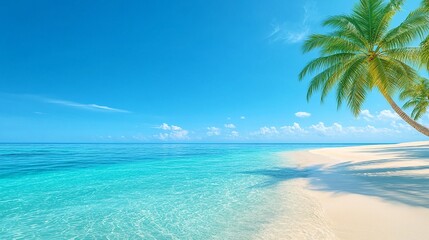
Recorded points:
388,183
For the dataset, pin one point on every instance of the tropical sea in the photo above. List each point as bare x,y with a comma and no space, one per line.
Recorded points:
149,191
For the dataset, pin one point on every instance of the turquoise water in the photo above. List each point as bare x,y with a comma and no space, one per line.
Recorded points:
134,191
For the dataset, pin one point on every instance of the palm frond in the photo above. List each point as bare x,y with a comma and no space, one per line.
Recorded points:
350,69
355,72
320,79
389,11
378,74
347,26
324,62
415,25
329,44
410,55
369,14
417,96
361,54
425,52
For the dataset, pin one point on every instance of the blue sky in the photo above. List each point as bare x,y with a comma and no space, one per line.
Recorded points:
173,71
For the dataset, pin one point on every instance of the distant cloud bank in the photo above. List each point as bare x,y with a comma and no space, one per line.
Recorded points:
171,132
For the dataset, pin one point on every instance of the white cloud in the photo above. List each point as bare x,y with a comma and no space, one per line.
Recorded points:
303,114
388,115
295,37
285,33
384,116
230,126
93,107
294,32
267,131
337,129
294,129
164,126
66,103
366,114
320,128
175,128
242,117
181,134
163,136
401,126
369,129
172,132
213,131
234,134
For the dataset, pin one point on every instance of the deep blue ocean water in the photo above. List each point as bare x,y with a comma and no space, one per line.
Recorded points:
134,191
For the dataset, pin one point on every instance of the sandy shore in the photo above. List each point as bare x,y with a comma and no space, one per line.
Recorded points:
369,192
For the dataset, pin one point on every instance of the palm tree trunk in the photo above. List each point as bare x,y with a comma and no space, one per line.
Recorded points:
405,117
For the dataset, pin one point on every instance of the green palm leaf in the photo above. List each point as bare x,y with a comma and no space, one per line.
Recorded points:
417,96
362,53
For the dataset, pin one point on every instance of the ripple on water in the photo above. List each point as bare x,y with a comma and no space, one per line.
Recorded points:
147,191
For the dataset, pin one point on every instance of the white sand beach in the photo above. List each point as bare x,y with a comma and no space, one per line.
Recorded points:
369,192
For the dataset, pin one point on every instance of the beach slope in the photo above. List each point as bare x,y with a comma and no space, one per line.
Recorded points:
370,192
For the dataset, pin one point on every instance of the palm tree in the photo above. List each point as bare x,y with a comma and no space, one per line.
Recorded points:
417,96
362,53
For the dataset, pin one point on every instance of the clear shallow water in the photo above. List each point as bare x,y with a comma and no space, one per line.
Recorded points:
133,191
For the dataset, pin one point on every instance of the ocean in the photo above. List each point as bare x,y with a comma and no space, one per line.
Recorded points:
144,191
